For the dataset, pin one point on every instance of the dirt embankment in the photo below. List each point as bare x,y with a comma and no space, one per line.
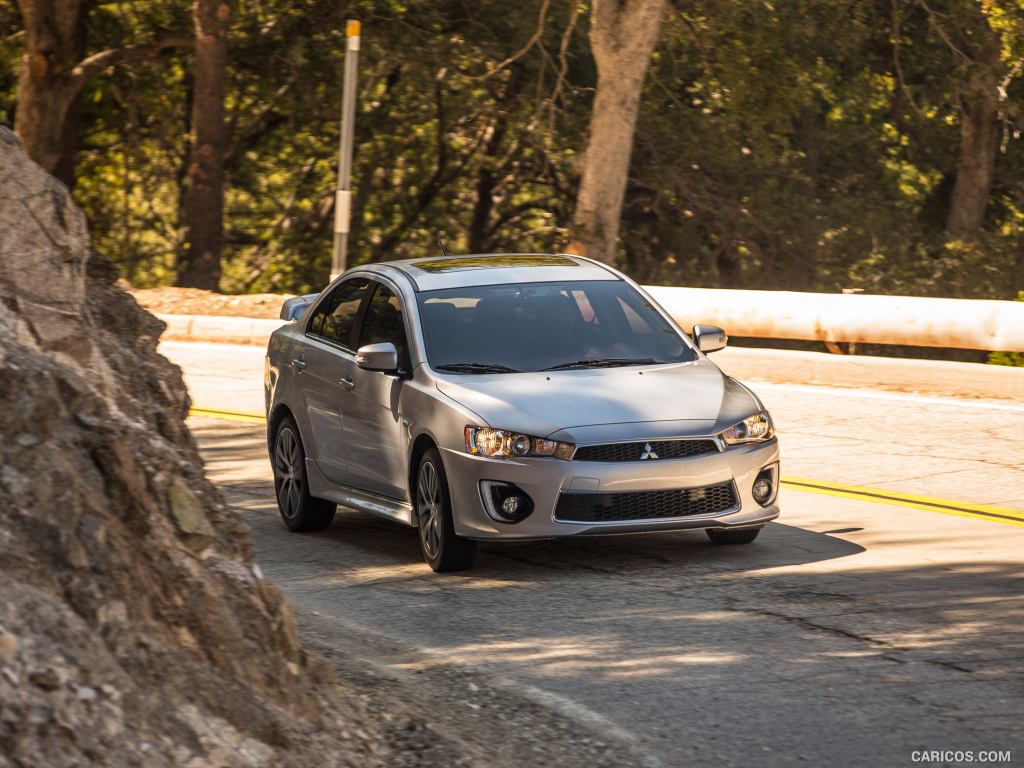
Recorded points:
193,301
134,627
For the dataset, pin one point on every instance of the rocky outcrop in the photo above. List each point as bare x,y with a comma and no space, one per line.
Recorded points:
134,627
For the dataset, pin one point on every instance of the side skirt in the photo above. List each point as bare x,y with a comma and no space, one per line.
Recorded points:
322,488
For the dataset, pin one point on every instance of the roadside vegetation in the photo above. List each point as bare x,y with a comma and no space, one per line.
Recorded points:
1008,358
820,145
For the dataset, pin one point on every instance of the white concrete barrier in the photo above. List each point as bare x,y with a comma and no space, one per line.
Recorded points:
861,318
221,329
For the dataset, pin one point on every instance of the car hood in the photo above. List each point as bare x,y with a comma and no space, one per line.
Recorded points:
693,398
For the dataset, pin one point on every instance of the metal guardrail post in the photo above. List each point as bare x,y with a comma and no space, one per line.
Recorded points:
343,192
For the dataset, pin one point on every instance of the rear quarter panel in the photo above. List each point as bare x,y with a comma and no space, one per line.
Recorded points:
284,345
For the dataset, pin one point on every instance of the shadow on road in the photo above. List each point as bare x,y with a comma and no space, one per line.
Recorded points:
238,449
674,638
807,644
390,543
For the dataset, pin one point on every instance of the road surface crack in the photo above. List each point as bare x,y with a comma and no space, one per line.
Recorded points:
888,649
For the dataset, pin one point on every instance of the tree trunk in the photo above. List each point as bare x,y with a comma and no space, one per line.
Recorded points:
487,180
479,239
199,264
623,34
979,145
46,117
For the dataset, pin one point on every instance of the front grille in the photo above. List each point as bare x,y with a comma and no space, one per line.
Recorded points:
662,449
645,505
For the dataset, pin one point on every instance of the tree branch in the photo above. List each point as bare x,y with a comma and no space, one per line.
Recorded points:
706,57
91,66
534,39
509,214
933,20
563,67
896,33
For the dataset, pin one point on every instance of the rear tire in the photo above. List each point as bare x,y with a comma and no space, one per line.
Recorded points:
299,511
725,536
443,550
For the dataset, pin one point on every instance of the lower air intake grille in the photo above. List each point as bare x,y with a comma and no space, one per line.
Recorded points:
655,449
645,505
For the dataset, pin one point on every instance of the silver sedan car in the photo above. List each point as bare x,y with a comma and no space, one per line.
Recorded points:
509,397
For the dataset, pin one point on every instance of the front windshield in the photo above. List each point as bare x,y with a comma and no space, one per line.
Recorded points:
545,326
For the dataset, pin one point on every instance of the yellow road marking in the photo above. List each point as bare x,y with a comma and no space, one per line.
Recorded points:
247,417
877,495
930,503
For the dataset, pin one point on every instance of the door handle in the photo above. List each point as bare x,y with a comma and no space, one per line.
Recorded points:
299,364
347,384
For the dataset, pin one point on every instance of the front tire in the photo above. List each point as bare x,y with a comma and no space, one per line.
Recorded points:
299,511
443,550
725,536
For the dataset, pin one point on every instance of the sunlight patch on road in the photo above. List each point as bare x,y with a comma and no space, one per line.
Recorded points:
382,574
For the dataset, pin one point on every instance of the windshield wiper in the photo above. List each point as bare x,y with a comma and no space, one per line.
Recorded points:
475,368
601,362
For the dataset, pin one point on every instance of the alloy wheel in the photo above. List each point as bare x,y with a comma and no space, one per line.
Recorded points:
428,507
287,473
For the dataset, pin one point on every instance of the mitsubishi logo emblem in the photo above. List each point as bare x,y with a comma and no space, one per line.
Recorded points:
648,453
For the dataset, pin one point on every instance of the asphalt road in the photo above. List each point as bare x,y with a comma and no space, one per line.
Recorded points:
853,632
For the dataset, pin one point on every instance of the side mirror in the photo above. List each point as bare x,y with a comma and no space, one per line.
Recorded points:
709,338
378,357
295,307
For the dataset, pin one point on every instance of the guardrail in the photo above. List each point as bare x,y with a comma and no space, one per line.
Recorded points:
906,320
996,326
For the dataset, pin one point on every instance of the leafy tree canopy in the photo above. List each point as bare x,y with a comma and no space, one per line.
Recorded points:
807,146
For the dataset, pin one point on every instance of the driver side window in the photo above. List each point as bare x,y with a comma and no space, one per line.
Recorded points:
335,320
385,321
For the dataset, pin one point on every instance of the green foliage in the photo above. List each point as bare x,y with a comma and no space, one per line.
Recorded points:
440,142
1008,358
807,146
813,146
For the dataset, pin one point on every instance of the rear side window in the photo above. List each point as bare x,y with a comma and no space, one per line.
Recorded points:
335,320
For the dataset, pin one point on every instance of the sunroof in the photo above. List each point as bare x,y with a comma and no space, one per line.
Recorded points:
459,263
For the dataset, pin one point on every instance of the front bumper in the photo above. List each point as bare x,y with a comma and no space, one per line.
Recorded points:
545,479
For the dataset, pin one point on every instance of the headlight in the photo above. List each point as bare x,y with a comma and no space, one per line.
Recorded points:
500,443
754,429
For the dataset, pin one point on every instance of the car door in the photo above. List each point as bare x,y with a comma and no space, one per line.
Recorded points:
372,418
325,367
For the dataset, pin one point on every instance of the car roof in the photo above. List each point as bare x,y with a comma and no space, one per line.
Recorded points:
441,272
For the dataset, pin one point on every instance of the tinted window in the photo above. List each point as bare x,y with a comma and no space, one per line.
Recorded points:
533,326
384,322
336,319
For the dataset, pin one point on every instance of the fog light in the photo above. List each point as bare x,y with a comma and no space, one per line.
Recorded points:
763,489
505,502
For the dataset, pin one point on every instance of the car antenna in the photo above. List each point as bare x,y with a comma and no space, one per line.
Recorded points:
441,243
